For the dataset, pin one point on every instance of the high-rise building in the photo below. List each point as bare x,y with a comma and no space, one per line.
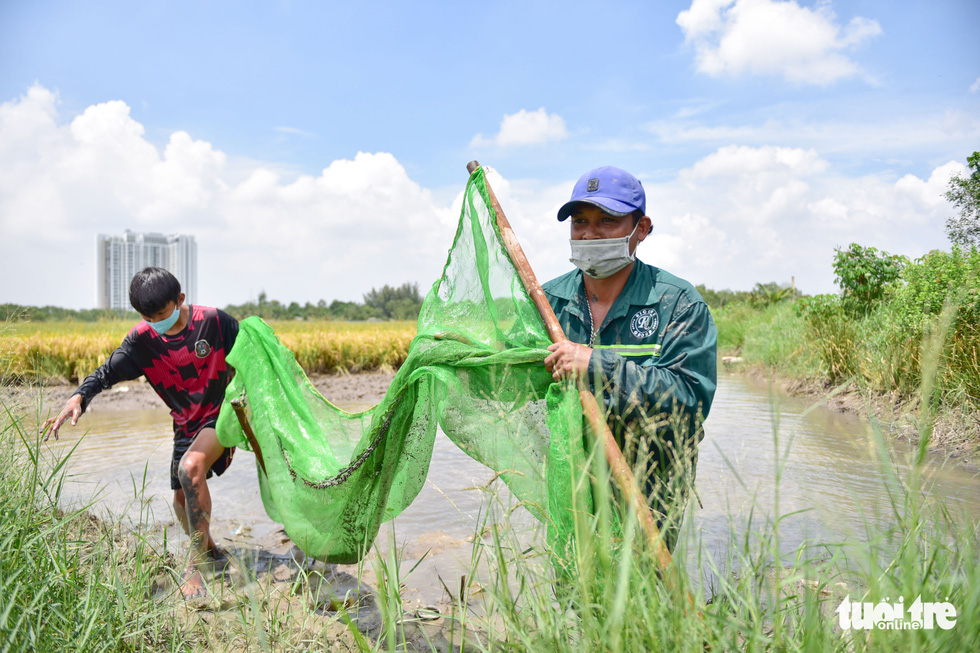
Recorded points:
118,258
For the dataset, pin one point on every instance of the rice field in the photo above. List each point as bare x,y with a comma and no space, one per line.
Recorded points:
71,350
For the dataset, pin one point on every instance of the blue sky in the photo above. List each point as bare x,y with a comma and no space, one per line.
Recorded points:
317,150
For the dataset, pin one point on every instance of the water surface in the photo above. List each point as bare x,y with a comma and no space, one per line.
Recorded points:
828,463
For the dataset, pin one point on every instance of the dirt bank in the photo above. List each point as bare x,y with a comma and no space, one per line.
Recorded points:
361,388
262,595
955,431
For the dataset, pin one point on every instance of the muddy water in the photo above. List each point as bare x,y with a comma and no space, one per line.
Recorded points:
829,467
828,463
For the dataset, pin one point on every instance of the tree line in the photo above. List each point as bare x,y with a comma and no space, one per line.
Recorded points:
386,303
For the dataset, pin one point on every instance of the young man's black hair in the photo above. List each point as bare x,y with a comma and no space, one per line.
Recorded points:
151,289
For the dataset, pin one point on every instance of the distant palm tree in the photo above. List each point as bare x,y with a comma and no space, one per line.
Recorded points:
767,294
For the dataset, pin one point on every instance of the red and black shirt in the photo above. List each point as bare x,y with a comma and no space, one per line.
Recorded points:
188,370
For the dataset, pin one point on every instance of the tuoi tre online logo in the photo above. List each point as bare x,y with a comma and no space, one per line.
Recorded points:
894,616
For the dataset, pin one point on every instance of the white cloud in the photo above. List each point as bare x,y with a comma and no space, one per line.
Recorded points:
743,215
975,86
525,128
750,162
740,215
773,37
928,194
883,136
359,224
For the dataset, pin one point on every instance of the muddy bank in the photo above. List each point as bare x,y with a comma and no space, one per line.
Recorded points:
955,430
363,387
313,604
265,594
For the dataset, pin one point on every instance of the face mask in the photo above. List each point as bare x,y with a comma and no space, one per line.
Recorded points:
602,257
165,325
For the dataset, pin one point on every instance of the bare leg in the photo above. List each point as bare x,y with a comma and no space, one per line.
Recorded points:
180,511
192,472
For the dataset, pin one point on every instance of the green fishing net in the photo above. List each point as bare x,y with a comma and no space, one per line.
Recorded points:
475,370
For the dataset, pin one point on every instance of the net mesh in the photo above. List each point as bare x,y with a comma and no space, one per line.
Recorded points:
474,369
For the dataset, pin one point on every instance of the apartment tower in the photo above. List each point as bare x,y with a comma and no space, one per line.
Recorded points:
118,258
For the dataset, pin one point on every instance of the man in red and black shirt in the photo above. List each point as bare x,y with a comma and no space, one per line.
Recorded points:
180,349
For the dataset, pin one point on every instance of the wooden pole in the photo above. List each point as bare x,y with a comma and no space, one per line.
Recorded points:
621,471
240,406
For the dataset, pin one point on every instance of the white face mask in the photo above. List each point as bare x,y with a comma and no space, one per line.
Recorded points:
602,257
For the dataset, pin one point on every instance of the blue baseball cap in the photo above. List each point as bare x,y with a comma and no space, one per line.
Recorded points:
613,190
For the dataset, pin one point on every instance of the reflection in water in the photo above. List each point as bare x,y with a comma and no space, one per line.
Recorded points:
830,462
830,473
829,468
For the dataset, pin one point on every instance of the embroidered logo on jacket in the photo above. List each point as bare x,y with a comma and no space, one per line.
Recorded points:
202,348
644,323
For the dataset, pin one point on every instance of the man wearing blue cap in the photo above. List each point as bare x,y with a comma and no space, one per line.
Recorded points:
642,338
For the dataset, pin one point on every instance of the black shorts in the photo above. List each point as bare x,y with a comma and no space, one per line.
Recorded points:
182,444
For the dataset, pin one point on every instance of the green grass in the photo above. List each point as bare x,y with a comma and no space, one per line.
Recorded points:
876,352
70,583
67,581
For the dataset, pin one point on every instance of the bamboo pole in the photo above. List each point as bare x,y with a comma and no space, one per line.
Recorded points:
621,471
240,406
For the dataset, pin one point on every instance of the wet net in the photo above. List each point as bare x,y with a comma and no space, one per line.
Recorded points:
475,369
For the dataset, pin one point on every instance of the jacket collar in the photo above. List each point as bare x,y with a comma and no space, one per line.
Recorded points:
640,290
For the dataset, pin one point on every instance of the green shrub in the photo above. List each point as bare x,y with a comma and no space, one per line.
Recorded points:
830,331
935,279
888,357
863,275
930,284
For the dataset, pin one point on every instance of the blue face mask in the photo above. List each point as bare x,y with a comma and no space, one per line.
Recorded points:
163,326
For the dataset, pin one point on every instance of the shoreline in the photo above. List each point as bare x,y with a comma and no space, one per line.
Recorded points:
359,387
955,432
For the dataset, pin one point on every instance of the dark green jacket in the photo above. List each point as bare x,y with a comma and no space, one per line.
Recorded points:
655,355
